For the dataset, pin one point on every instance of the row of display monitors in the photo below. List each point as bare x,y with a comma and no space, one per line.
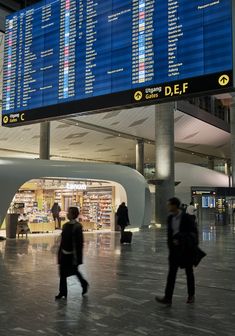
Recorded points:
71,56
208,202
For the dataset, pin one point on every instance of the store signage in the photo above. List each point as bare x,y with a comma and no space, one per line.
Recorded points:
73,186
201,191
19,205
72,56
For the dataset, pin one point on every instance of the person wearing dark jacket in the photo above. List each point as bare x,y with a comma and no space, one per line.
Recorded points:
123,217
182,242
55,210
70,254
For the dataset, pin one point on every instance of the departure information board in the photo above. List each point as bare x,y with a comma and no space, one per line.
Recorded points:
71,56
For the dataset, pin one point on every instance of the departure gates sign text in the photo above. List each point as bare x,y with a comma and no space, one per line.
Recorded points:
71,56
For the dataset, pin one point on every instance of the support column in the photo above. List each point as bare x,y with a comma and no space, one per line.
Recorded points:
211,163
227,170
232,129
165,161
140,156
45,140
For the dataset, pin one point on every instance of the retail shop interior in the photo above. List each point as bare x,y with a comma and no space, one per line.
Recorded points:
97,201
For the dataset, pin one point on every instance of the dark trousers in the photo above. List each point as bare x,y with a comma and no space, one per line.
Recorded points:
58,219
122,229
63,280
173,269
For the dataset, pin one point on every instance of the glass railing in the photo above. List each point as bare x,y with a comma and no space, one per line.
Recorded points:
212,105
149,170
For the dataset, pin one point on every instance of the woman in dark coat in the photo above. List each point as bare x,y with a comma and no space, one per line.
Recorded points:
70,254
123,217
55,210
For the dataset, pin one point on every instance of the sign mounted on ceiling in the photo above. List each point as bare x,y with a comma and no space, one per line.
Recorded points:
72,56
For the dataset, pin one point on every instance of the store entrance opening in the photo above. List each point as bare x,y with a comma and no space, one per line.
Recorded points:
43,203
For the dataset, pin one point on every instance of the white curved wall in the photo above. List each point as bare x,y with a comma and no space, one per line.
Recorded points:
15,172
191,176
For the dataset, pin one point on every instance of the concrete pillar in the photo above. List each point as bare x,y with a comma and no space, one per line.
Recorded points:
211,163
165,169
140,156
45,140
227,170
232,129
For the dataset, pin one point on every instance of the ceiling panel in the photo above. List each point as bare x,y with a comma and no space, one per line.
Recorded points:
74,142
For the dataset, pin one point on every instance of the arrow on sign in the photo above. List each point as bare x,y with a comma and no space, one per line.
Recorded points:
224,80
138,95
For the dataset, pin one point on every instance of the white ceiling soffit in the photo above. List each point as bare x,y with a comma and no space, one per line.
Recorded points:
187,128
73,142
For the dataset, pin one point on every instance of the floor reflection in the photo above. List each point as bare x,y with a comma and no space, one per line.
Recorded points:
124,281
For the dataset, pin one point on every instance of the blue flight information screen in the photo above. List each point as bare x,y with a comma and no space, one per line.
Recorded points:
73,56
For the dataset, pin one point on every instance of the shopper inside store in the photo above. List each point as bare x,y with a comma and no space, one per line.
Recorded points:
117,168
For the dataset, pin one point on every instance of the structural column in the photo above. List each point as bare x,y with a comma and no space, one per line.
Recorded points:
165,161
232,129
45,140
227,170
140,156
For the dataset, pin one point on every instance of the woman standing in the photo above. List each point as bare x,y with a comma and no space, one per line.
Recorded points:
55,210
70,254
123,217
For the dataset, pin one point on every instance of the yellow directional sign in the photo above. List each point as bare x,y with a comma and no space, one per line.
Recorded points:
224,80
138,95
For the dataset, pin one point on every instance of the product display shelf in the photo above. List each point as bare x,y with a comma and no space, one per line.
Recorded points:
26,197
97,206
42,227
41,222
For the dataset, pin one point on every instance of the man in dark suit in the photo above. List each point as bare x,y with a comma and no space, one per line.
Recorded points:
182,240
70,254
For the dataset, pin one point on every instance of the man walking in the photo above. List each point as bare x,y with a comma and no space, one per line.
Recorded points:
182,241
70,254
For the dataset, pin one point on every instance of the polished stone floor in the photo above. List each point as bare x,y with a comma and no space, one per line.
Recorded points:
123,282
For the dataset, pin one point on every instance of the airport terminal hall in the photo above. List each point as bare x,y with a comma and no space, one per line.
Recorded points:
117,167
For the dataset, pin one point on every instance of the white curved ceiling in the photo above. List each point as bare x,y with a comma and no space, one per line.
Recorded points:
71,141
